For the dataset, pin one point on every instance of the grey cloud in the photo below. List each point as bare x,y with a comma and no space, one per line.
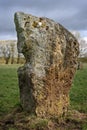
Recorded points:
77,21
70,13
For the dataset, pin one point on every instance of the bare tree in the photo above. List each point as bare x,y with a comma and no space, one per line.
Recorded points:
6,53
12,52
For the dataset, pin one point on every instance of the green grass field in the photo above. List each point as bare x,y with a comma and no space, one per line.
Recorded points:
78,93
9,92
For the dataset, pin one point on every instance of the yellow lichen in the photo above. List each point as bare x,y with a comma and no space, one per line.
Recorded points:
35,24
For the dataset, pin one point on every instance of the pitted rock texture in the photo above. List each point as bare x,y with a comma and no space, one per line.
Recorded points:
51,59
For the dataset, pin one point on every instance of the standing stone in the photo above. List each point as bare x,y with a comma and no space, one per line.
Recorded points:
51,60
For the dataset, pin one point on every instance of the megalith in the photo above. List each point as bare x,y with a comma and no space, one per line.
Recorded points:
51,53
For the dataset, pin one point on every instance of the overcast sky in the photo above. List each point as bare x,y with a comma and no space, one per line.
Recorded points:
72,14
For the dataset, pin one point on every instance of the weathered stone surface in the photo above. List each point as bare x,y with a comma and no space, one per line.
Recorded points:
51,60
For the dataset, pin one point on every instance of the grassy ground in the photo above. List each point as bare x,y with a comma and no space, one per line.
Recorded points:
78,93
9,92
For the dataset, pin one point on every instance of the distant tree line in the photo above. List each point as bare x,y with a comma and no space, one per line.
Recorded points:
8,53
82,44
